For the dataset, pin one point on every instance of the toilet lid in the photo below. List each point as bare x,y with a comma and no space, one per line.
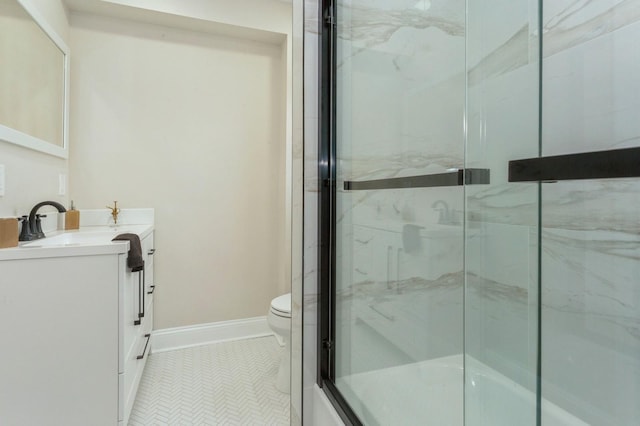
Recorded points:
282,304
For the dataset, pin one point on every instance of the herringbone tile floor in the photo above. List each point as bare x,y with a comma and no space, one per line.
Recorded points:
229,383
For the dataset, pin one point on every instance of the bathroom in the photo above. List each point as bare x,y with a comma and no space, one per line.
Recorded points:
182,109
411,302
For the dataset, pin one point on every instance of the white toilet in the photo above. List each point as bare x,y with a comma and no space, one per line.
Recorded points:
279,320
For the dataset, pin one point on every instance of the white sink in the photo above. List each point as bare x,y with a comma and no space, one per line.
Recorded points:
93,235
69,239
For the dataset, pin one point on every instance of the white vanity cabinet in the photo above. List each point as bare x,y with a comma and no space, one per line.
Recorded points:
71,352
135,328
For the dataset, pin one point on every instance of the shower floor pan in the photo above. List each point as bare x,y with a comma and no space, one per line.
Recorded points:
431,393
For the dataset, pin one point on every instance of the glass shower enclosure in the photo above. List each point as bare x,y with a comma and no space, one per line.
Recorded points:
480,211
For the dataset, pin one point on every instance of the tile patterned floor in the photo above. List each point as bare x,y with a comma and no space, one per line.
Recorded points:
229,383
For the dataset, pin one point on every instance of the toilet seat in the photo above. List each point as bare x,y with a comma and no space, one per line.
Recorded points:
281,306
279,320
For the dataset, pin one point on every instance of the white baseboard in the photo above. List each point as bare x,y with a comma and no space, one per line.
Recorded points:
170,339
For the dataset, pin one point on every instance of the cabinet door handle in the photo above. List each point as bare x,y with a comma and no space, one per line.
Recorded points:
148,336
151,252
379,312
398,253
389,248
142,284
152,287
140,299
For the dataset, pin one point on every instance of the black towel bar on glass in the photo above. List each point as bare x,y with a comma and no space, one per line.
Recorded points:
454,178
616,163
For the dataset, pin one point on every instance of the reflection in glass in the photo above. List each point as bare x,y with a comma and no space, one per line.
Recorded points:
531,287
400,109
31,77
590,358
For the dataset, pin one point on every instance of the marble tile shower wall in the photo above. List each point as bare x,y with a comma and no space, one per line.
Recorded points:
310,203
590,244
501,265
591,229
400,113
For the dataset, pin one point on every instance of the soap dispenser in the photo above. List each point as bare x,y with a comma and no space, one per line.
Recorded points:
72,218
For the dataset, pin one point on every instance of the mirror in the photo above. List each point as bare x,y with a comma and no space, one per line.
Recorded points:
34,80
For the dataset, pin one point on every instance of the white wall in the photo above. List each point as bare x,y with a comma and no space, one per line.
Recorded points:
266,15
32,177
55,14
192,124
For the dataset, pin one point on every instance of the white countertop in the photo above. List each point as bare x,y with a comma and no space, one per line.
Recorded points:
87,241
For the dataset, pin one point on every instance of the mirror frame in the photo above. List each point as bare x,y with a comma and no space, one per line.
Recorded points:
11,135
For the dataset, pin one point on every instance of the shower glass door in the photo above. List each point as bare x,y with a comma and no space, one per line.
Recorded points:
502,218
590,215
552,245
480,225
397,191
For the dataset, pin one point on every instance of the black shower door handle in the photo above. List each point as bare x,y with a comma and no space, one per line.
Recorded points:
457,177
615,163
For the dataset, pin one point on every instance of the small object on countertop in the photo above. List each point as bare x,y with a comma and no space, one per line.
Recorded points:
72,218
134,259
8,232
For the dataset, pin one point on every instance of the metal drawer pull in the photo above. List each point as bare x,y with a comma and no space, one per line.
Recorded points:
151,252
363,241
140,299
152,287
144,279
379,312
148,336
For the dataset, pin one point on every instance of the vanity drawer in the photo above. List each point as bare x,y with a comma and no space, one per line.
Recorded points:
130,314
134,366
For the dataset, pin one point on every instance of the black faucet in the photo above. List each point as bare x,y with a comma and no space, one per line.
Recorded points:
31,226
447,216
